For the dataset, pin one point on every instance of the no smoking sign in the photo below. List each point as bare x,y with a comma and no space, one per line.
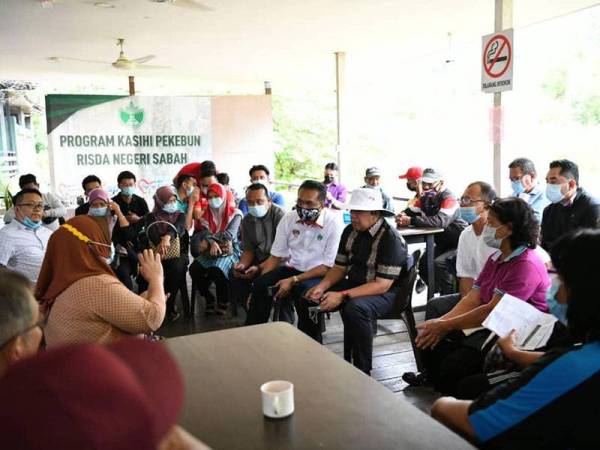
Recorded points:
497,62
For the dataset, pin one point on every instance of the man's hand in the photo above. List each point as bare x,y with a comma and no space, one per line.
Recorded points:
215,249
194,197
133,218
331,300
402,220
507,344
203,245
431,333
239,270
285,286
315,293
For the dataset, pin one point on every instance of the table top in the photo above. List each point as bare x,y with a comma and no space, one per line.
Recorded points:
336,405
413,231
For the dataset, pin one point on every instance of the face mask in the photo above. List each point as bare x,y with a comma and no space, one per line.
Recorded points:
558,310
489,237
468,214
31,224
215,202
328,179
205,189
111,258
128,191
517,187
189,191
170,208
411,187
308,214
554,193
98,212
258,210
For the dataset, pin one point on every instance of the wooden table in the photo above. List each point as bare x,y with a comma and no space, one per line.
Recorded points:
337,406
416,235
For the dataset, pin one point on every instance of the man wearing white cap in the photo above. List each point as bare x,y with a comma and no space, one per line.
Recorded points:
363,282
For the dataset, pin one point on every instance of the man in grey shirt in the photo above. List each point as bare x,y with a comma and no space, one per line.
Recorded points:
258,232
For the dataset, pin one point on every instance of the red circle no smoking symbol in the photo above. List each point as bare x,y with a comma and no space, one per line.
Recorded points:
496,56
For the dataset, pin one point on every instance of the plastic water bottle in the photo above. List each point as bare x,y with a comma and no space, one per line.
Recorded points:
347,218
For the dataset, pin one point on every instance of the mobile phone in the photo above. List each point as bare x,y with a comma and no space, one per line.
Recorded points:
272,290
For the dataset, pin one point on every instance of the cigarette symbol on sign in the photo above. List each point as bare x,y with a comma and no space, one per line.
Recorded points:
492,53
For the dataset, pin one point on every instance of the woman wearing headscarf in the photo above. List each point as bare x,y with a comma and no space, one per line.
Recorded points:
166,231
217,246
101,207
81,297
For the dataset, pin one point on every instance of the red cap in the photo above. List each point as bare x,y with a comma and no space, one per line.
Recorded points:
414,173
124,396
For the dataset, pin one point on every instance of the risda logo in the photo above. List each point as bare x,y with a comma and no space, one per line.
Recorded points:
132,115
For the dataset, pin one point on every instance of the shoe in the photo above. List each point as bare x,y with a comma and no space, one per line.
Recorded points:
221,310
416,379
174,316
210,310
420,287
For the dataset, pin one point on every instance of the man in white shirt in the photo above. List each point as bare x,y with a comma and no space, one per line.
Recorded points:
23,241
305,247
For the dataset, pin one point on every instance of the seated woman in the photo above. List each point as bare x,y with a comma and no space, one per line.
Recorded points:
165,229
450,350
101,207
552,403
81,297
218,248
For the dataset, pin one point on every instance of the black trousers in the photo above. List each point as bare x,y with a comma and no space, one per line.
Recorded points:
126,270
175,273
358,315
261,302
204,277
457,356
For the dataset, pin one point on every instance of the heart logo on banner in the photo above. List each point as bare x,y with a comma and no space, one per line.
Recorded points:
146,185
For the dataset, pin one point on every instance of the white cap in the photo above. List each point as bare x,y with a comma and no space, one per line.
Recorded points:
367,199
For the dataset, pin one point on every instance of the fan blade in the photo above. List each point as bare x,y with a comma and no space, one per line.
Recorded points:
143,59
66,58
191,4
151,67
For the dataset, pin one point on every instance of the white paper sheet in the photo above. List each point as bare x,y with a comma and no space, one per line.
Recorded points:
533,327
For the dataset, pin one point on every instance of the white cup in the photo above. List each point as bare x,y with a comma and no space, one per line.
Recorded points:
277,399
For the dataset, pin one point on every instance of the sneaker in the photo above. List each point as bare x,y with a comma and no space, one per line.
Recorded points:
174,316
416,379
420,287
221,310
210,310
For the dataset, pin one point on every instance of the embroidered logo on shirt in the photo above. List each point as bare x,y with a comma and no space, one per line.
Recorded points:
319,237
296,233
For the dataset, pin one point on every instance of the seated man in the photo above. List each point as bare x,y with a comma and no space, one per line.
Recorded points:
373,180
572,207
54,210
20,334
363,282
413,183
260,174
552,403
23,241
258,233
89,183
523,179
436,208
306,240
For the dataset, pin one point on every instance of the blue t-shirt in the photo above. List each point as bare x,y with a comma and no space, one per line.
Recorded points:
276,198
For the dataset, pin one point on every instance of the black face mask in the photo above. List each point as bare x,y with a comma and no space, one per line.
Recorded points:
308,214
328,179
410,187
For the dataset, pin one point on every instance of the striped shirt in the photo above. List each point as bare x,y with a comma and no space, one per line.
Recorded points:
22,249
379,252
551,404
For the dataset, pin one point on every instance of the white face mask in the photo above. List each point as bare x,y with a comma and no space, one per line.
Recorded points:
489,236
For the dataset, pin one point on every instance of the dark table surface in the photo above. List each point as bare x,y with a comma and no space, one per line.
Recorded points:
337,406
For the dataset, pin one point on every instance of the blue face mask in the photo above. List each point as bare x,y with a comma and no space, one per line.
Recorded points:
517,187
558,310
468,214
189,191
98,212
215,202
258,210
170,208
110,260
554,193
127,191
31,224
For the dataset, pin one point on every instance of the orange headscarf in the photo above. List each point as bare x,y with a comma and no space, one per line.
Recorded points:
69,259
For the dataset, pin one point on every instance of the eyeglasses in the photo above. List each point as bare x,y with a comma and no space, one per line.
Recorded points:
466,201
39,324
32,205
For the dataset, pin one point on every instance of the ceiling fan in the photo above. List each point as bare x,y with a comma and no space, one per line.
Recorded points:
122,62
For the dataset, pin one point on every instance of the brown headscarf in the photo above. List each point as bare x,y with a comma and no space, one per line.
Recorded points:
68,259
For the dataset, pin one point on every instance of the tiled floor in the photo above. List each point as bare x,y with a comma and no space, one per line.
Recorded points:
392,352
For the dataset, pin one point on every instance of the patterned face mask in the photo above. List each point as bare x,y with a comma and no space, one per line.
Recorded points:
308,214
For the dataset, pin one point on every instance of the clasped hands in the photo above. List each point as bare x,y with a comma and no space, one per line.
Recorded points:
328,301
431,332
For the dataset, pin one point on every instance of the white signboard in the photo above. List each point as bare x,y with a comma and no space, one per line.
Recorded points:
497,62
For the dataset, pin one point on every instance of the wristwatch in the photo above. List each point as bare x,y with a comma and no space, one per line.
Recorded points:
295,279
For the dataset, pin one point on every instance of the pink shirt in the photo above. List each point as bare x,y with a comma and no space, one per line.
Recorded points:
522,275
